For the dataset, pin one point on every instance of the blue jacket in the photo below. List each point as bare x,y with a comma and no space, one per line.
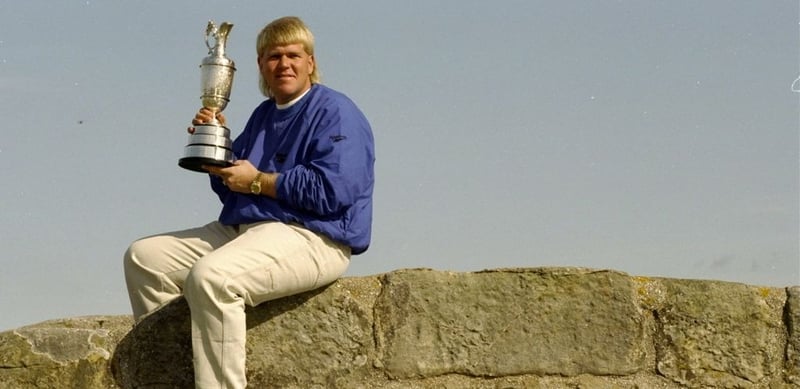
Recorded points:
324,150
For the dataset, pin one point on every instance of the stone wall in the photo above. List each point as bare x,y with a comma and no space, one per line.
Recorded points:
505,328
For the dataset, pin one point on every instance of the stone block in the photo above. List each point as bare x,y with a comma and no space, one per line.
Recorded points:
563,321
65,353
719,334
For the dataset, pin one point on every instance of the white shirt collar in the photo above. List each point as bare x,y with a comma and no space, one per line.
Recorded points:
291,103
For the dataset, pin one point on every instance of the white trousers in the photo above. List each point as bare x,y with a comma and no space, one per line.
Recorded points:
221,268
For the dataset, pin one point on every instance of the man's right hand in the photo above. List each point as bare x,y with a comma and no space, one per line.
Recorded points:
205,115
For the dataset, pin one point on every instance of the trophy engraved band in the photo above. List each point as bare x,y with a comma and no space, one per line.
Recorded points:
210,143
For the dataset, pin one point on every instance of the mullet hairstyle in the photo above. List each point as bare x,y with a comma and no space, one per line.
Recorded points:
281,32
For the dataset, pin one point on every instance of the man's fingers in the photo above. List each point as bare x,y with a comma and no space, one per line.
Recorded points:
205,115
211,169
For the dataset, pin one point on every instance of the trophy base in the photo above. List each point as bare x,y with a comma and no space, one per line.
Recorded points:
196,163
209,144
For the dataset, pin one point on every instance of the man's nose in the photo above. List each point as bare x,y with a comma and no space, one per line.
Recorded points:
283,61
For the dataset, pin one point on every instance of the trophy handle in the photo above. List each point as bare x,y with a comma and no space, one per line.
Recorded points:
220,36
211,31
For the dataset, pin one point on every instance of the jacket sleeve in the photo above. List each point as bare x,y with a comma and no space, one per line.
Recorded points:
220,189
338,168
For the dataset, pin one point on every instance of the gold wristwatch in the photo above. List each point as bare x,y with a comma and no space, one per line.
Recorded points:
255,186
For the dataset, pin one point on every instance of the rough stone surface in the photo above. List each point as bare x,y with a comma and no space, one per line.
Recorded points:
792,315
68,353
503,329
511,322
720,334
321,338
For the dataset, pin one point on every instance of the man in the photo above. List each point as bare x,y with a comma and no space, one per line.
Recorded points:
295,205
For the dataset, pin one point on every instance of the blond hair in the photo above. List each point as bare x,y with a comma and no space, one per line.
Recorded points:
281,32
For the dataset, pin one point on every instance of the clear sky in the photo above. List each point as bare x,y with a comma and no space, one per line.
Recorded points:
654,138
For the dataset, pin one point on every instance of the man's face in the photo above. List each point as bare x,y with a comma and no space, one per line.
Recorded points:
287,70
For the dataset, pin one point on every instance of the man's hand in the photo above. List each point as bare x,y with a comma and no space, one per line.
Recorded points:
237,177
205,116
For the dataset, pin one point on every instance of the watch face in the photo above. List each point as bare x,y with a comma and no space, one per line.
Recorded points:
255,186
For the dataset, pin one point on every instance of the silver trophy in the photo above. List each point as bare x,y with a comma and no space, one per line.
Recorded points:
210,143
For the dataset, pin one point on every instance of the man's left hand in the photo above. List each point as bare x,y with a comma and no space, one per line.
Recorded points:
237,177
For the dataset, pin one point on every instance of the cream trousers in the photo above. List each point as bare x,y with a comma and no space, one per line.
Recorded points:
221,268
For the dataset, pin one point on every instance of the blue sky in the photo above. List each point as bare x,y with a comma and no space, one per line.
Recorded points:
654,138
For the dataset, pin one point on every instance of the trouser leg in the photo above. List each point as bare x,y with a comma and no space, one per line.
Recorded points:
155,267
266,261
